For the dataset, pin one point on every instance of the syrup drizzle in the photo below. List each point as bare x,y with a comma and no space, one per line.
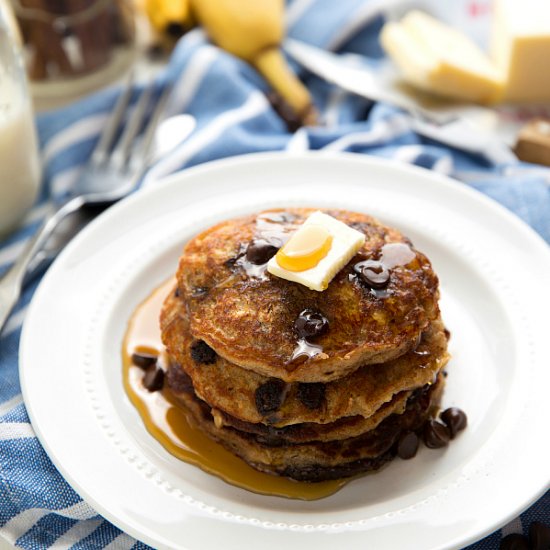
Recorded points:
396,254
391,255
305,349
165,419
274,227
254,271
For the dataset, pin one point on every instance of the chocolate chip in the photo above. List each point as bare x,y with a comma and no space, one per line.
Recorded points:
177,292
177,379
447,334
515,541
539,536
373,273
154,378
259,252
270,395
421,398
202,353
310,324
311,395
435,434
455,419
407,445
143,359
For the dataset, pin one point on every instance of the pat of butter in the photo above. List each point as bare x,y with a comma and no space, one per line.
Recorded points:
520,46
440,59
346,241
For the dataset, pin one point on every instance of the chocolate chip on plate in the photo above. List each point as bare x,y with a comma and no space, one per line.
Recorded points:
407,446
202,353
154,378
310,324
514,541
539,536
270,396
259,252
435,434
143,359
455,419
372,272
312,394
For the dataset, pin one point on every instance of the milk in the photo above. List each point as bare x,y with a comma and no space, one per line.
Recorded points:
19,162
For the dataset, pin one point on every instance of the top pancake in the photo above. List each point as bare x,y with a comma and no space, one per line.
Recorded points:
247,315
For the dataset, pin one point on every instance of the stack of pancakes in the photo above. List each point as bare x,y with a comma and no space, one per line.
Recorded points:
315,407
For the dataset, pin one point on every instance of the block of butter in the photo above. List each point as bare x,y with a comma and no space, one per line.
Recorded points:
439,59
343,242
520,46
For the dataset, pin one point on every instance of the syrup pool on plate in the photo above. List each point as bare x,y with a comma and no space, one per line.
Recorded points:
165,419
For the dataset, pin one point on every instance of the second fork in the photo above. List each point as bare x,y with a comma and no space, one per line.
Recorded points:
113,171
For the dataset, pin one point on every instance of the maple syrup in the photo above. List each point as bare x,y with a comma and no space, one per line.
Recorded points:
273,229
165,419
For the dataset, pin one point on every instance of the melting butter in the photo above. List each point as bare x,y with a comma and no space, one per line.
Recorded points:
346,241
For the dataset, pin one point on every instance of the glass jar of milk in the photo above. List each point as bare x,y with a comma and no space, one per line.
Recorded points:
19,159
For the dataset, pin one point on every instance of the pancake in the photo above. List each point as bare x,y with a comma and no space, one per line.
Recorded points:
320,460
234,390
349,426
247,315
343,428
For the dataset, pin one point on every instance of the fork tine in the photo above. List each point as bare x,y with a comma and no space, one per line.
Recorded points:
124,146
142,153
106,139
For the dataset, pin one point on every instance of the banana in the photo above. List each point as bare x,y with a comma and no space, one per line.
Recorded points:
253,30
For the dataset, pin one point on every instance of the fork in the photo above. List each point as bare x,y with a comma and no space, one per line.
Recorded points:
113,171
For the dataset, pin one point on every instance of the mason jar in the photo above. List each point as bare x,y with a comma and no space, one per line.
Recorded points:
19,157
72,47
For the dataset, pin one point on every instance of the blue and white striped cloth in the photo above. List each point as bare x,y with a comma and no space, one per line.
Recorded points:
38,509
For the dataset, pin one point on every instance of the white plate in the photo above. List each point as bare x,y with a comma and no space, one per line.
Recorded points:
495,299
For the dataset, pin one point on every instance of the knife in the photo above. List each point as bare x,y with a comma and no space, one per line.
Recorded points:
468,127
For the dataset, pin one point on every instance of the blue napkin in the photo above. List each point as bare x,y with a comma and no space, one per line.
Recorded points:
37,507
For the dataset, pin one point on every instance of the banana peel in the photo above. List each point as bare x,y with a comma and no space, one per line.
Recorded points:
252,30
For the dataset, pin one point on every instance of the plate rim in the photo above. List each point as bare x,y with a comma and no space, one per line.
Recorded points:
169,181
